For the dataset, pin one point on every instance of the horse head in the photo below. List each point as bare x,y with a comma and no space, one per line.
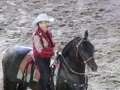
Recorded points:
86,52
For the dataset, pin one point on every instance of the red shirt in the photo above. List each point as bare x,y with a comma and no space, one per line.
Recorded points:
42,44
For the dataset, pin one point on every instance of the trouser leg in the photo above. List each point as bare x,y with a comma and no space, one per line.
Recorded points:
45,73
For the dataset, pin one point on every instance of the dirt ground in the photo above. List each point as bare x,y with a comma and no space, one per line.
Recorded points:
100,17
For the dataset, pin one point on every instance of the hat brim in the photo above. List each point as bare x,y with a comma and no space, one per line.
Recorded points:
37,21
51,19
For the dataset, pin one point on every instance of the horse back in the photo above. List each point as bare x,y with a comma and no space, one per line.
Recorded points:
12,60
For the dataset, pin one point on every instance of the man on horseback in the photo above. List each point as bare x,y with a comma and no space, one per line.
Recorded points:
43,47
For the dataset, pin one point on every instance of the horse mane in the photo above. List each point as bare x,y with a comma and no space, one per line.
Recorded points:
67,46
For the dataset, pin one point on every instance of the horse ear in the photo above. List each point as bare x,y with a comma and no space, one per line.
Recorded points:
86,35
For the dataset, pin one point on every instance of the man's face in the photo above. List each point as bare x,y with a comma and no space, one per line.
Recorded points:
44,25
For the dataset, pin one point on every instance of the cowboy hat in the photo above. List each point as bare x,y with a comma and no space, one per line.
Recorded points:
42,17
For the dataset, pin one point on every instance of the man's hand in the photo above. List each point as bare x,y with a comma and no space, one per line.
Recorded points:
57,48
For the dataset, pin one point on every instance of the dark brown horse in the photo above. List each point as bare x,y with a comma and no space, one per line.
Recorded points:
75,55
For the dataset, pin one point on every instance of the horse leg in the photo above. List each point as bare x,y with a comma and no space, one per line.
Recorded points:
22,86
5,82
12,86
9,85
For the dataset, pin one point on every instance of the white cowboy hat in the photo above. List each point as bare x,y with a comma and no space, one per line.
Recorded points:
43,17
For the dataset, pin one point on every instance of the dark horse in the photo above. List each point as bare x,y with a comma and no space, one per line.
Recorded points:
75,55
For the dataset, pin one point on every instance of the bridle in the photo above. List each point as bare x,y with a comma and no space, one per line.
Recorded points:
77,46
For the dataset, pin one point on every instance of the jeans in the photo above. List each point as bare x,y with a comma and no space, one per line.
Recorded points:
45,72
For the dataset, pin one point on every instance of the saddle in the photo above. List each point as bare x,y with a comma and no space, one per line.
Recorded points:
28,69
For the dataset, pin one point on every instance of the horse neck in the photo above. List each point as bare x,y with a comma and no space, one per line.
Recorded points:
74,64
